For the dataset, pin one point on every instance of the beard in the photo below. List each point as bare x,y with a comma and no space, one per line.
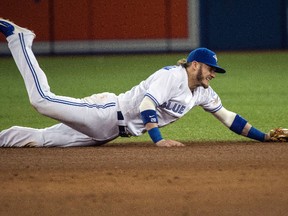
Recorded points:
200,78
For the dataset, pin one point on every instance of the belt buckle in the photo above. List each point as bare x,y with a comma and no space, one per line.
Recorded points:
123,131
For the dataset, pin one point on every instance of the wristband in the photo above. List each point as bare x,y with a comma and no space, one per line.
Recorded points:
238,124
155,134
149,116
256,134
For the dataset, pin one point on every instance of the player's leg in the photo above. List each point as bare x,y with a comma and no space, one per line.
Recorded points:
83,115
58,135
21,137
61,135
35,80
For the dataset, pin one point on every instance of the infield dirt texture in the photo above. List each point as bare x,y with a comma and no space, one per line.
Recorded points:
221,178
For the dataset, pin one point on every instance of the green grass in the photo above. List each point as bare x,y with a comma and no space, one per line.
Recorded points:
255,86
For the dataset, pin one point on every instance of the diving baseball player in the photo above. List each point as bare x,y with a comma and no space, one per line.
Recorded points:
164,97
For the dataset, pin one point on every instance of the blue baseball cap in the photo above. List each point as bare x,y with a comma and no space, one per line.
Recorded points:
205,56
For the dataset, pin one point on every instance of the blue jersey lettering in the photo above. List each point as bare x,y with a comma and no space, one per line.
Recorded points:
174,107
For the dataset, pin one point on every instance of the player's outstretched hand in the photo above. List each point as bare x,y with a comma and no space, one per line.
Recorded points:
169,143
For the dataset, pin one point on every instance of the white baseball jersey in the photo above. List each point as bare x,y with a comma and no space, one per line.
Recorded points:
168,88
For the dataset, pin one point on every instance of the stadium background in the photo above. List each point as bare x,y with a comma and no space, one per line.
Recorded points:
112,26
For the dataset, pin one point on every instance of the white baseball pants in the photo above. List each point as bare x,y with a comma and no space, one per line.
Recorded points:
87,121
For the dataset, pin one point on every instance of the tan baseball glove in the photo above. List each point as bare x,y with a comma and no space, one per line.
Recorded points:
279,135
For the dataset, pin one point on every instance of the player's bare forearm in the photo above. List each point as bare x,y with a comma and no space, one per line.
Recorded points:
248,127
150,125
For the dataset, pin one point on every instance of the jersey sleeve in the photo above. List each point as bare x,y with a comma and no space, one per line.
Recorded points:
163,85
209,100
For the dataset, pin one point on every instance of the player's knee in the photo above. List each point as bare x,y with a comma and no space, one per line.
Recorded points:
38,105
34,104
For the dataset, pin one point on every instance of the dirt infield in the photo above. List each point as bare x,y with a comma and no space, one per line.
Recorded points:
140,179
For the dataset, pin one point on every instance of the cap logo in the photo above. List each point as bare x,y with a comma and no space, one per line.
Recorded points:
215,57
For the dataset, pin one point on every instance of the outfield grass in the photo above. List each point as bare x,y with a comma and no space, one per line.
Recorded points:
255,86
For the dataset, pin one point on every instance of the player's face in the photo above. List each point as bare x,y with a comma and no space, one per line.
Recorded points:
204,74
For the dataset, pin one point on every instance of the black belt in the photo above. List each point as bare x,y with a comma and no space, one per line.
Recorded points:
122,129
